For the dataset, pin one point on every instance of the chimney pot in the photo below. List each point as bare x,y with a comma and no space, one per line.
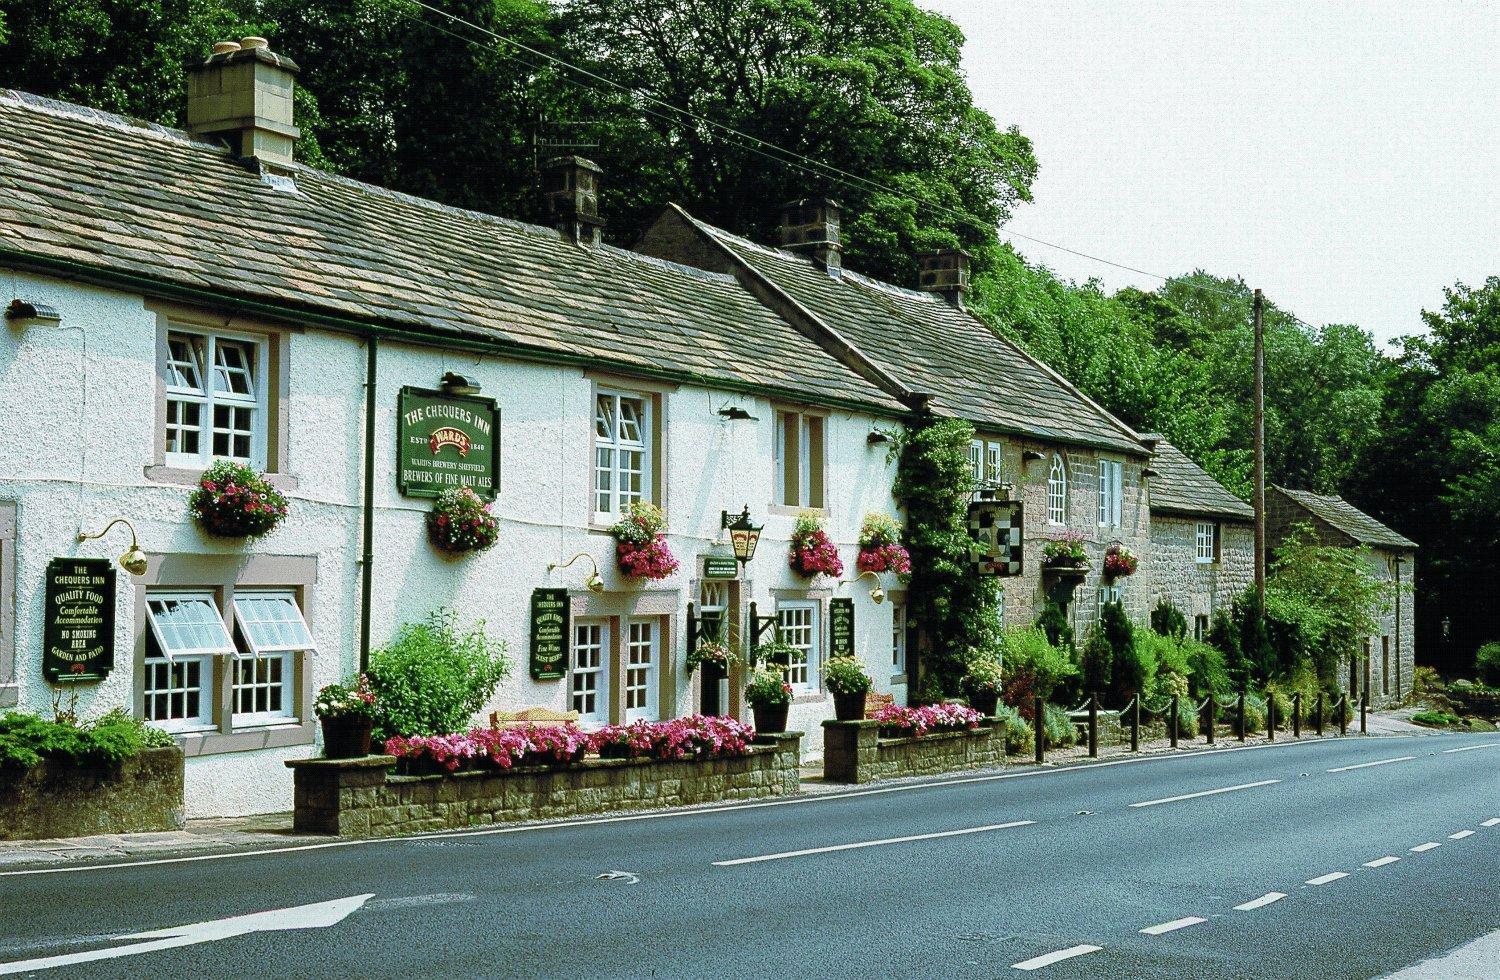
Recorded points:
811,226
253,43
224,47
243,94
570,190
946,273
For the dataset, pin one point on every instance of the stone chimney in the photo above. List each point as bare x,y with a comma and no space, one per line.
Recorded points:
811,226
243,94
946,273
570,189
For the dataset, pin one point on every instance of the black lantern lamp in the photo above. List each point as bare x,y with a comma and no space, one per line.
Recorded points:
743,536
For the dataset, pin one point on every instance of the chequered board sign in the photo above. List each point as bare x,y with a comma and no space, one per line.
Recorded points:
995,526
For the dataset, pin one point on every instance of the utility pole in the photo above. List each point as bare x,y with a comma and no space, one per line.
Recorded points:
1260,446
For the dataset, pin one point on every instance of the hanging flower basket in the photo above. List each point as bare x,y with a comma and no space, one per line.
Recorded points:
710,653
460,522
1066,555
640,544
1119,561
233,501
813,551
880,547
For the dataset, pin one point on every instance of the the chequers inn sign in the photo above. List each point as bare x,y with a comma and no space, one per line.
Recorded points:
78,633
446,441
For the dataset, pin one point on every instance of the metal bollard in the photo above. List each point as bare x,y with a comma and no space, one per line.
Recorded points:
1270,717
1318,714
1344,714
1239,723
1297,715
1093,726
1135,724
1040,726
1364,711
1172,728
1212,707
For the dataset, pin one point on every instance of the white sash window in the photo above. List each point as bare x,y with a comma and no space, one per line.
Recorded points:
589,684
215,399
642,660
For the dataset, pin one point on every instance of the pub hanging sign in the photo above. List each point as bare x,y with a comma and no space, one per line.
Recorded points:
446,441
995,537
549,633
78,631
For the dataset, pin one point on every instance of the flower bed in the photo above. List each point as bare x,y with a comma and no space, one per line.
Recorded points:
911,742
896,721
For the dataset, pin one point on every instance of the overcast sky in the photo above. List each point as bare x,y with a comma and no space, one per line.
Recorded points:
1345,157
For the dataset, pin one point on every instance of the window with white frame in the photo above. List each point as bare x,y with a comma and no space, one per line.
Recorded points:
622,450
1200,626
1207,541
187,634
1107,594
1111,486
799,460
215,398
797,625
1057,491
898,638
713,606
589,682
985,460
642,659
274,635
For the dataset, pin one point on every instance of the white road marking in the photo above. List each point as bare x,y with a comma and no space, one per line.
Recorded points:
1047,959
1491,822
1261,902
1325,879
1381,862
873,843
320,915
1172,926
1378,762
1425,847
1461,835
1207,792
1471,748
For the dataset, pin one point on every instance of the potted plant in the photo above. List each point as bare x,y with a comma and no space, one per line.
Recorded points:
712,653
982,683
641,544
1065,554
347,714
848,683
1119,561
813,551
233,501
880,547
770,696
459,521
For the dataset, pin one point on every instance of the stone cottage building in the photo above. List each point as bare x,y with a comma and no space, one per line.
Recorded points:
1381,668
1202,553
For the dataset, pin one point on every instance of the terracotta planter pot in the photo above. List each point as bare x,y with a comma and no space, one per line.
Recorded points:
770,718
849,707
346,738
984,702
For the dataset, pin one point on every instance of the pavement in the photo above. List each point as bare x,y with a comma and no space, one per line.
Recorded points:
1355,857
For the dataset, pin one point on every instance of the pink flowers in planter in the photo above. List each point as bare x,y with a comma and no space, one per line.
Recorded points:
929,718
1119,561
234,501
880,547
693,737
640,544
813,551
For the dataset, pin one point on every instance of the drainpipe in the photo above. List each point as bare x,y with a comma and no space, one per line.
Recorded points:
367,558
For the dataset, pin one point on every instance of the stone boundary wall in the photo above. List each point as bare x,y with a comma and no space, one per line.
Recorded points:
360,798
60,799
854,752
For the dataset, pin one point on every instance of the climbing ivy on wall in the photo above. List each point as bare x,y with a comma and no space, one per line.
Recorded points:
955,610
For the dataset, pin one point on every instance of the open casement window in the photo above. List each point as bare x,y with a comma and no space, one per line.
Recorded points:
985,460
1206,539
799,460
642,666
1057,491
187,634
215,398
622,451
797,626
275,635
588,683
1111,486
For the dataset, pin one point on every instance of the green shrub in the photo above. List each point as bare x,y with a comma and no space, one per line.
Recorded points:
1057,728
1027,649
1475,699
26,739
1280,696
1019,736
1168,620
1131,670
1187,718
433,677
1437,719
1168,684
1096,661
1205,669
1054,622
1487,664
1426,680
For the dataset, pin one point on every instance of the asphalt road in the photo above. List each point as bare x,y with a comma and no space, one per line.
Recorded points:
1121,856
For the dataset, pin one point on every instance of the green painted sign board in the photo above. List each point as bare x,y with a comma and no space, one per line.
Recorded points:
549,633
78,627
841,627
446,441
720,566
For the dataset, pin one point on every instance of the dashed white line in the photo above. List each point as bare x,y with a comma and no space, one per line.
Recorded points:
1491,822
1381,862
1207,792
1377,762
1047,959
872,843
1425,847
1471,748
1172,926
1461,835
1260,903
1325,879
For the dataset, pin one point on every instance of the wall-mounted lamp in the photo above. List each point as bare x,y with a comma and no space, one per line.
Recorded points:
1148,471
594,583
743,535
457,384
20,311
877,594
736,414
1029,455
877,438
134,560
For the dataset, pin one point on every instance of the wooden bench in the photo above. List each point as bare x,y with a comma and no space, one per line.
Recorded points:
874,701
532,716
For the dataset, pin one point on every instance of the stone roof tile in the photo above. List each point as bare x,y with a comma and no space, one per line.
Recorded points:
1347,518
1182,486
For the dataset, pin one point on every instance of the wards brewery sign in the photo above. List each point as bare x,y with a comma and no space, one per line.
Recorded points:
446,441
841,627
78,632
549,634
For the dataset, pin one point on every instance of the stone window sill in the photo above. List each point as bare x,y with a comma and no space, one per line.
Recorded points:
246,739
179,476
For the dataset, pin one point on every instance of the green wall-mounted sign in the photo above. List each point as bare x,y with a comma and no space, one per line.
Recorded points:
549,633
841,627
78,627
720,566
446,441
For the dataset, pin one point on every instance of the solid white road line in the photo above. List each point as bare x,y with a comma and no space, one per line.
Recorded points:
1172,926
1471,748
873,843
1378,762
1425,847
1491,822
1325,879
1261,902
1461,835
1207,792
1381,862
1037,962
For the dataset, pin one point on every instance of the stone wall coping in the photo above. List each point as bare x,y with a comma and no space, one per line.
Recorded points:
980,732
984,720
362,762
